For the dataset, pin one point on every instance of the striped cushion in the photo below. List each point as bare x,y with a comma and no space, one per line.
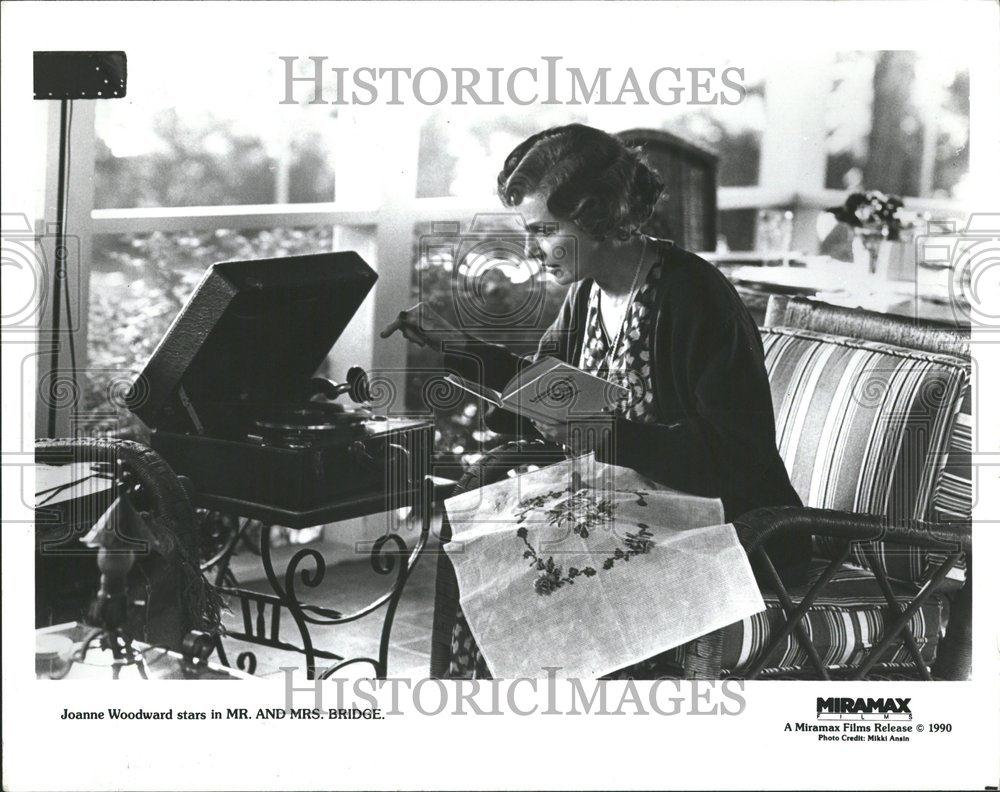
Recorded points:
845,621
865,427
952,501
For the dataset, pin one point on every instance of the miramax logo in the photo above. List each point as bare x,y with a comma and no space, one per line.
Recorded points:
844,708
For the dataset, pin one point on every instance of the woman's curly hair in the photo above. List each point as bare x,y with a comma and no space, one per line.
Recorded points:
590,177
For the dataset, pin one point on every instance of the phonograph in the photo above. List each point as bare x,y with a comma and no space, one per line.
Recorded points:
235,408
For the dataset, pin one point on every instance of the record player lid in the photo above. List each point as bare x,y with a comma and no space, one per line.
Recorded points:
252,331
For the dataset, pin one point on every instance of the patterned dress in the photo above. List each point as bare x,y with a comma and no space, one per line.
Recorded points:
629,367
631,364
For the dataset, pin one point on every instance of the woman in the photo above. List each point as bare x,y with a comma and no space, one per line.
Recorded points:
641,311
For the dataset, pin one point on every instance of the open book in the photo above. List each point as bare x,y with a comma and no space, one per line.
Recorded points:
551,390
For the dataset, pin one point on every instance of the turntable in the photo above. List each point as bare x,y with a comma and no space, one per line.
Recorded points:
230,395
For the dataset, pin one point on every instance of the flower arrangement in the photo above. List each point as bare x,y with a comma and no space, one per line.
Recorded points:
871,212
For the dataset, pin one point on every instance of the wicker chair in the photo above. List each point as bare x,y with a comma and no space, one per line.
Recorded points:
888,592
917,558
689,214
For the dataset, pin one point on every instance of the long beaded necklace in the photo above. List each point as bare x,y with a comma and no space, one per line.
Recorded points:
613,352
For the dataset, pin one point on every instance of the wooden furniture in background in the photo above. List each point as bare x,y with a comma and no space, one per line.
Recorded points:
689,212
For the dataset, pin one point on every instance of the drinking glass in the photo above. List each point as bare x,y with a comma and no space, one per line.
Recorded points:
774,235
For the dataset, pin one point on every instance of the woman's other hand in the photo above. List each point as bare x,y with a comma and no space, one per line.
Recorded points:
422,325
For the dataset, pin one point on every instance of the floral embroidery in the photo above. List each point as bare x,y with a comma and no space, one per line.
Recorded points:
581,512
551,576
637,544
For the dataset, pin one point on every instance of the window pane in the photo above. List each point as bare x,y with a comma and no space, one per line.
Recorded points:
462,150
188,143
898,122
138,284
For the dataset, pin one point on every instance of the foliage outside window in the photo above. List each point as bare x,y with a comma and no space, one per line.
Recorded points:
898,121
202,157
460,156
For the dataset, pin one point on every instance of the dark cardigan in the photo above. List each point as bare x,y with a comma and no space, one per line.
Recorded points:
715,434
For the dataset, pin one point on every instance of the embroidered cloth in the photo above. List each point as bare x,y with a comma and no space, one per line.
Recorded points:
587,567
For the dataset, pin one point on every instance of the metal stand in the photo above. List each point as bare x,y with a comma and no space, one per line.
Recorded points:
261,612
59,272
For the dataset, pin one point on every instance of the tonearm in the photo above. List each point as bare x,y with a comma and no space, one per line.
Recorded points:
357,386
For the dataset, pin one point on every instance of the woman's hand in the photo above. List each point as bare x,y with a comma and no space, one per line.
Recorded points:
553,431
422,325
580,436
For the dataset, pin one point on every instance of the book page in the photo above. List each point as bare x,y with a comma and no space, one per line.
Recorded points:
529,374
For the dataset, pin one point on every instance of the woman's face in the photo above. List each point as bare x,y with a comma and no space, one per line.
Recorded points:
564,251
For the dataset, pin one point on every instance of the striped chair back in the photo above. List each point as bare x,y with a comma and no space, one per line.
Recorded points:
867,427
